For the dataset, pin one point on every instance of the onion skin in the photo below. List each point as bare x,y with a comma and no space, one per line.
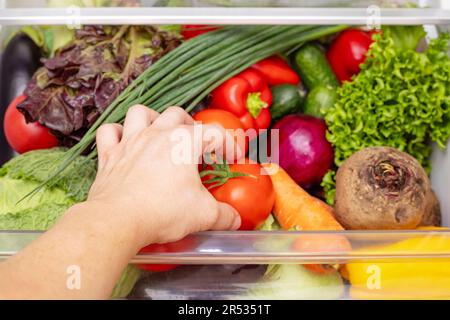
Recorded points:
383,188
305,153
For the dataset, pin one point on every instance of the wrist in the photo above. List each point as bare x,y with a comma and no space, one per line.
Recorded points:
105,218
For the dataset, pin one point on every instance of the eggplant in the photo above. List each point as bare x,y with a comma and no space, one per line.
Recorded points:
191,282
19,61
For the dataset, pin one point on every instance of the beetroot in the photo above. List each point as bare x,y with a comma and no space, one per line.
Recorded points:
305,153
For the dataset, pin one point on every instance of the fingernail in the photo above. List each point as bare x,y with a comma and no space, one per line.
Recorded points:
237,223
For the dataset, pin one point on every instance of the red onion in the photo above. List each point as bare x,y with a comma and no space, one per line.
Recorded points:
305,153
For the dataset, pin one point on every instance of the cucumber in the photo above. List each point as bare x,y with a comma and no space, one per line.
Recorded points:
319,100
314,68
286,99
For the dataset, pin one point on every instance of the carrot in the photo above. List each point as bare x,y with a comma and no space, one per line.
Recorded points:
297,209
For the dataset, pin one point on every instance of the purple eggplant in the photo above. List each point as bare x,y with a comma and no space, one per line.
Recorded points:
19,61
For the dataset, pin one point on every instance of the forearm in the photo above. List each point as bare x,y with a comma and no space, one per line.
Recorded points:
96,252
140,196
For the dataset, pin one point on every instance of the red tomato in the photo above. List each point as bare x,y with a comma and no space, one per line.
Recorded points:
348,51
183,245
228,121
23,136
252,196
190,31
277,71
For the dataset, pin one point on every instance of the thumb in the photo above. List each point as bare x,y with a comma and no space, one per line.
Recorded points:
227,219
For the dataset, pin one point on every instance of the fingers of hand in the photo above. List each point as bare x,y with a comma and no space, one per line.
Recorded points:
171,118
190,142
213,138
138,118
108,136
227,219
225,143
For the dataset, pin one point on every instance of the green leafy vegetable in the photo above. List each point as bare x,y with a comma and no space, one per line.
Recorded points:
36,213
49,38
400,99
39,217
405,37
270,224
75,86
53,38
22,174
34,167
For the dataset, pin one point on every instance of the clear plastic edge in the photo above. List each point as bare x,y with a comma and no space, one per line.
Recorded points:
222,16
260,247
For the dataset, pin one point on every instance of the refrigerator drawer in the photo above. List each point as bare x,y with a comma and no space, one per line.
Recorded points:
261,265
270,265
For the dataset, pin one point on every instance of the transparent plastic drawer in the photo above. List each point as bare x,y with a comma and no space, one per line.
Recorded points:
269,265
259,265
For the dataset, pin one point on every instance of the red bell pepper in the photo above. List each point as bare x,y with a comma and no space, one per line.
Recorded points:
190,31
276,71
348,51
248,97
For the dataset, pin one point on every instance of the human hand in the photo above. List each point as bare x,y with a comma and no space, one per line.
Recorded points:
162,198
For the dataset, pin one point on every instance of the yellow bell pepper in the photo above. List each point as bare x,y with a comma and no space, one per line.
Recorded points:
415,278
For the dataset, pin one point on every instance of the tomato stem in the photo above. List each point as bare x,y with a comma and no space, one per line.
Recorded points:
221,173
213,173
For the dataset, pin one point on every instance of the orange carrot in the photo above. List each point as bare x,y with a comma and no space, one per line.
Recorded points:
297,209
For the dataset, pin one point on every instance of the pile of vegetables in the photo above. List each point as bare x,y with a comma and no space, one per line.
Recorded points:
355,113
185,76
